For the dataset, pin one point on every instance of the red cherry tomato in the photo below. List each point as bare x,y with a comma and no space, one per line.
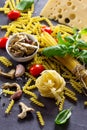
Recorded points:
46,29
36,69
14,14
3,41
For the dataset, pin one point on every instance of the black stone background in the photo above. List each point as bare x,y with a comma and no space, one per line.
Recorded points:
78,120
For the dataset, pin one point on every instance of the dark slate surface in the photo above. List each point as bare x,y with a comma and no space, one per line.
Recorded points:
78,120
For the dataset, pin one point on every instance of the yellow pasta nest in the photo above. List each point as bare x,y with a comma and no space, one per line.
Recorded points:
50,84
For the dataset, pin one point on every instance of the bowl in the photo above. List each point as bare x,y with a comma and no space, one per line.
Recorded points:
14,42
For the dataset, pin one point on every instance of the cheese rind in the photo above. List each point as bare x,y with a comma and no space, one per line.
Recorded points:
69,12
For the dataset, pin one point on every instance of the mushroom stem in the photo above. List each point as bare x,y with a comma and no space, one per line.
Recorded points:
25,109
10,85
9,74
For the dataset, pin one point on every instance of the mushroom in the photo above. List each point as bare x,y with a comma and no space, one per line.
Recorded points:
23,46
28,45
25,109
20,70
9,74
11,85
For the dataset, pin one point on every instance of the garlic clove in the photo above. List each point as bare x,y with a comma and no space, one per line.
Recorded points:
20,70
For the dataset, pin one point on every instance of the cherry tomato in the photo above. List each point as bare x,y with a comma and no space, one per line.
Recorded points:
46,29
3,41
14,14
36,69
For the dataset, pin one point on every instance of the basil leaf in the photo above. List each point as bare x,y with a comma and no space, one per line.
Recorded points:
81,44
76,36
83,56
83,31
60,39
69,45
63,116
60,50
71,50
69,39
24,4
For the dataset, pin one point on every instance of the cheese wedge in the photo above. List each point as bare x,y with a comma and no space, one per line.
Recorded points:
68,12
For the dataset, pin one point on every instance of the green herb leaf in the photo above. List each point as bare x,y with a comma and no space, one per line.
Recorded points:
77,35
81,44
24,4
69,39
83,31
83,56
60,40
63,116
60,50
69,45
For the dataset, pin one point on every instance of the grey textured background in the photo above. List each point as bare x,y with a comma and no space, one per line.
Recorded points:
78,120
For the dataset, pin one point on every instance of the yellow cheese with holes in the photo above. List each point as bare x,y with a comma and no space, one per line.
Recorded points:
69,12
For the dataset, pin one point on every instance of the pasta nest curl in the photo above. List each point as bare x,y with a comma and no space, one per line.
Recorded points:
50,84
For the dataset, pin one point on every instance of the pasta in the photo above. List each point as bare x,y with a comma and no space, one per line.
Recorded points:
27,84
69,91
61,104
30,93
50,84
5,61
31,87
76,86
85,103
74,98
40,118
8,109
8,92
38,103
11,5
30,76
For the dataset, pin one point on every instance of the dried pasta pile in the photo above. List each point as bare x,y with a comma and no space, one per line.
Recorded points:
32,25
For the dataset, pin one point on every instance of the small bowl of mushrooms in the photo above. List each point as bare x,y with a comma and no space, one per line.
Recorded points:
22,47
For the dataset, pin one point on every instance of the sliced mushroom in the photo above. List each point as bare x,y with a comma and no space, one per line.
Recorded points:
9,74
25,109
20,70
11,85
22,46
28,45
